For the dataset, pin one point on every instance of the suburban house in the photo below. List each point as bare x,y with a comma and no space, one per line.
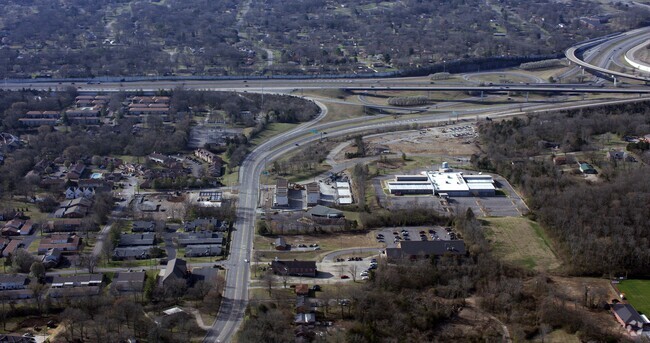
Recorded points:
305,319
281,196
302,289
176,270
76,286
143,226
14,281
75,208
203,250
12,246
76,171
586,168
52,258
17,227
201,237
210,224
425,249
132,253
128,282
78,280
63,242
281,244
135,239
65,225
296,268
616,155
631,320
15,338
79,192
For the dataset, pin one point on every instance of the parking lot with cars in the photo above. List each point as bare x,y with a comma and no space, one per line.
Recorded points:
391,236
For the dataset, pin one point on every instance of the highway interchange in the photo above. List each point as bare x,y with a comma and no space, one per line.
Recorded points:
597,54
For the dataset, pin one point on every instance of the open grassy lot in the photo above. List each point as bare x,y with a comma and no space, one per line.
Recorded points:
32,210
326,242
521,241
637,293
270,131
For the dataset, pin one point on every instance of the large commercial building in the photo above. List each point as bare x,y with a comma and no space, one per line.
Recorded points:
444,182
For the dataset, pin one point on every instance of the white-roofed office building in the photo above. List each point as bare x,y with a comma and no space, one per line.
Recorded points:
443,182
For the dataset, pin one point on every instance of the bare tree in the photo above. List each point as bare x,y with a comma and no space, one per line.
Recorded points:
353,268
88,261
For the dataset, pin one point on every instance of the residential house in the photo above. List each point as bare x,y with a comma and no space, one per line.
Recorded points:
631,320
586,168
87,280
136,239
76,171
15,338
27,228
74,208
76,286
305,319
12,246
79,192
210,224
176,270
128,282
52,258
425,249
132,253
296,268
15,281
281,244
616,155
65,225
302,304
34,122
302,289
201,237
203,250
64,242
143,226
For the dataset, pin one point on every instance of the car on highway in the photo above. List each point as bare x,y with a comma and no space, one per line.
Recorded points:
246,260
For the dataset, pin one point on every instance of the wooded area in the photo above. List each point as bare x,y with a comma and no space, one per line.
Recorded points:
601,227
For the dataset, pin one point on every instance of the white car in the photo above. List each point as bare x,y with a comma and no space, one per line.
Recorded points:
245,260
365,277
363,274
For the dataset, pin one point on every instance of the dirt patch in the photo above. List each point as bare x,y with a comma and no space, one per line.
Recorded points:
453,141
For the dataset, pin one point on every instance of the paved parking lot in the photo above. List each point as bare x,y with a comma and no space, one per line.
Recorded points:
414,233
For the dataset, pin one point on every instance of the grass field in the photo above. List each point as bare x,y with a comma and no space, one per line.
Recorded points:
637,293
521,241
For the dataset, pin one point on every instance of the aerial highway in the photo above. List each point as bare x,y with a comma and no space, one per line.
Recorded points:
612,45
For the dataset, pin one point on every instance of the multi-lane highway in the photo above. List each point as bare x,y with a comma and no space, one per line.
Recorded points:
609,48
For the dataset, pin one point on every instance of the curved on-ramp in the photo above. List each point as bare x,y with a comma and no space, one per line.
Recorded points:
570,54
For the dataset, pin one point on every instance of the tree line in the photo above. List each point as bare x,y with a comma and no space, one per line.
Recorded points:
599,227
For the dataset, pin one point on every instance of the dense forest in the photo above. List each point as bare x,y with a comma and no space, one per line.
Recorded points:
601,228
81,38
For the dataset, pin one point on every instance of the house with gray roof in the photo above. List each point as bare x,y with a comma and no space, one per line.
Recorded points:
136,239
202,237
176,270
128,282
203,250
631,320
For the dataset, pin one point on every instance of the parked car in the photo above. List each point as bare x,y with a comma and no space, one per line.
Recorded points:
344,276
